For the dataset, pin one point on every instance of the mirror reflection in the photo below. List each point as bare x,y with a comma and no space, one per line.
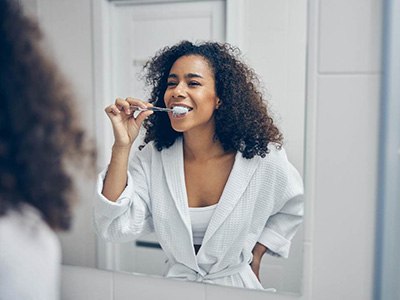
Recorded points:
211,180
271,37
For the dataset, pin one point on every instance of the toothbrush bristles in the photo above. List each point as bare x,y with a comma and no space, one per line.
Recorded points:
180,110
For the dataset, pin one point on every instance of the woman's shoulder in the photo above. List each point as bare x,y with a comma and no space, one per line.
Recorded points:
25,222
26,241
276,160
277,165
145,150
25,216
150,149
146,153
276,153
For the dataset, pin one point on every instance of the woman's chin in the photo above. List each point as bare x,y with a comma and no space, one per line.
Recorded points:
179,128
178,125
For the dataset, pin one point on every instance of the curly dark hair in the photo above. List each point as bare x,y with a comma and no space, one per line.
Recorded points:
242,121
38,125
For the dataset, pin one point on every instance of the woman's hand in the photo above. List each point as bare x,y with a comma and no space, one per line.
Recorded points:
125,126
258,252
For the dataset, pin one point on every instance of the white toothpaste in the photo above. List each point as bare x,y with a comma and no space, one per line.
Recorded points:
179,110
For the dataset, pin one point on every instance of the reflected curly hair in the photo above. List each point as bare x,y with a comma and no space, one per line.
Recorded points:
242,120
38,130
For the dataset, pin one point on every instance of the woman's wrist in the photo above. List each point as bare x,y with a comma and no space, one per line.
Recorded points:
121,148
120,156
259,250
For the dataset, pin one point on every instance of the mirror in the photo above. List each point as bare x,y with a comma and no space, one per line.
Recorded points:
103,63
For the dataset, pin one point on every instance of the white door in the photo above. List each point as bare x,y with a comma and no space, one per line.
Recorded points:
137,32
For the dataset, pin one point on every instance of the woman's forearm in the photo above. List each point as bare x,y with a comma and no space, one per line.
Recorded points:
116,177
258,252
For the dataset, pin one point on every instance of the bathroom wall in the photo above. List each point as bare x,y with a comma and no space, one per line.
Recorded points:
341,158
274,39
345,77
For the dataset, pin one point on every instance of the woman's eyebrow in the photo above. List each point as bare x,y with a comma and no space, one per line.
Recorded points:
188,75
193,75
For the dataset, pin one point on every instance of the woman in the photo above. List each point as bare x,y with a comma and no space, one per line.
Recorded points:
38,135
215,184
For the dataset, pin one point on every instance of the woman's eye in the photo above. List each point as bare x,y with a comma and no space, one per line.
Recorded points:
194,83
171,83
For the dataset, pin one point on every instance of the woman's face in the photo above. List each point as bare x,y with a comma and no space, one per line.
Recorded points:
191,84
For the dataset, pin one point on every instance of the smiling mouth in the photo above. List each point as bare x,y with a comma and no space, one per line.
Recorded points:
180,111
183,106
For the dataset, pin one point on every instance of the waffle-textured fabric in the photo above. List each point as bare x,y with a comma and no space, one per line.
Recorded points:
262,201
30,256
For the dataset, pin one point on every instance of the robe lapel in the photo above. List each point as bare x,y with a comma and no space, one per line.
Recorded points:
241,174
172,160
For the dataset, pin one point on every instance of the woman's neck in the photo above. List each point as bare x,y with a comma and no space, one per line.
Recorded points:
197,146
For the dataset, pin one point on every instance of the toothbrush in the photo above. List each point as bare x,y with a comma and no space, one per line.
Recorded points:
176,110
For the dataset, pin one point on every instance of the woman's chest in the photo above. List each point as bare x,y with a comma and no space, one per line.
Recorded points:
205,182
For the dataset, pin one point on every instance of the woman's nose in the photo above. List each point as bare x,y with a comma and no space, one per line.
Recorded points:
179,91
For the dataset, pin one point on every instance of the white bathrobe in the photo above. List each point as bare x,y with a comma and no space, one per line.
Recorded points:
262,201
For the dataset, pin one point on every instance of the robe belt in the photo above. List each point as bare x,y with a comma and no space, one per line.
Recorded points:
180,271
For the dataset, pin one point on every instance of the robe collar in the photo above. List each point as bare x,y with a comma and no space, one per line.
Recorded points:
238,180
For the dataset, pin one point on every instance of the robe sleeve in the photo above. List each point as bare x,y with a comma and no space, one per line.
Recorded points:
130,215
281,227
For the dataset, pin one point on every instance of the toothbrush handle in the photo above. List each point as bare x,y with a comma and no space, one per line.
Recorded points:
153,108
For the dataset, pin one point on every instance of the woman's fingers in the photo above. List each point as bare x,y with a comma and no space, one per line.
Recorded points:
112,110
123,105
125,121
142,116
123,108
134,102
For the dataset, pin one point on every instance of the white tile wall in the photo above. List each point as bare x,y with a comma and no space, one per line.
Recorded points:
274,45
349,36
347,105
347,144
67,25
